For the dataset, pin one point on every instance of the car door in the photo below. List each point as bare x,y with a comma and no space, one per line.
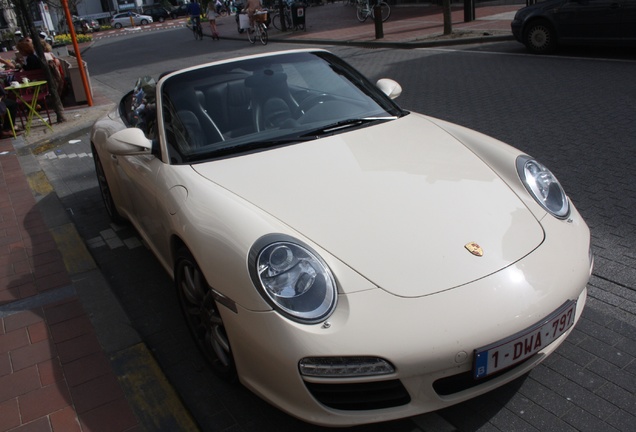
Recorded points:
580,21
119,18
142,174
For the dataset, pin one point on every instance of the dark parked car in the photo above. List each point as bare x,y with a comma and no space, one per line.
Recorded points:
179,11
544,26
158,13
83,25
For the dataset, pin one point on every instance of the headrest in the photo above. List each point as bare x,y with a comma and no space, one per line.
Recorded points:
266,77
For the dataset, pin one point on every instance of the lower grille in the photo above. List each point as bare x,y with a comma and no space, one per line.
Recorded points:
360,396
456,383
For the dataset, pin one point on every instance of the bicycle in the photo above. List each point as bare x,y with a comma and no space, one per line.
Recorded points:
277,19
223,10
196,28
259,29
287,16
364,10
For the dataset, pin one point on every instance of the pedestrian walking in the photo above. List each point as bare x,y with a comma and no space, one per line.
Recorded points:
212,14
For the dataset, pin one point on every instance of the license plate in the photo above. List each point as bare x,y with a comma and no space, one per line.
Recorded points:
517,348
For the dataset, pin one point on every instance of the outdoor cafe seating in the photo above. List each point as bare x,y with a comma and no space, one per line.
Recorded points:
30,91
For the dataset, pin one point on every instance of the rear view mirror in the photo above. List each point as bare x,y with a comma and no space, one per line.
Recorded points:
389,87
131,141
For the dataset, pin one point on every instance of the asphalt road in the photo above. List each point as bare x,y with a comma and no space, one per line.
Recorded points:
574,112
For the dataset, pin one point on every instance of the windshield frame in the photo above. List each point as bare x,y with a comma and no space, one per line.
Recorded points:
368,105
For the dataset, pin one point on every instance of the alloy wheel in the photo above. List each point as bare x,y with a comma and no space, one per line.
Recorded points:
202,315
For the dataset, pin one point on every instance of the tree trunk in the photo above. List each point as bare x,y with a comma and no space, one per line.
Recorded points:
448,20
39,49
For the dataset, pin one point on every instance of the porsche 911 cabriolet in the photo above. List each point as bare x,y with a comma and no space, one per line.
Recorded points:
345,259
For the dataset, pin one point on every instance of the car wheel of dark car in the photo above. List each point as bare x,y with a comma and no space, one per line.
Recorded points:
161,19
202,315
104,189
540,37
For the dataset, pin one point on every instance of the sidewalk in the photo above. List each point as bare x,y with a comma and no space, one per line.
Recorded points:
409,26
69,359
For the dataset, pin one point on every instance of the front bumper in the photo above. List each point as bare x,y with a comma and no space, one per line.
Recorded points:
516,26
430,340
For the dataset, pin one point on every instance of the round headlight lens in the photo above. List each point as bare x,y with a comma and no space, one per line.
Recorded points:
543,186
294,280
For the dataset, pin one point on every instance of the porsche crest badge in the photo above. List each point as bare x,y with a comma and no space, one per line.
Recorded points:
474,249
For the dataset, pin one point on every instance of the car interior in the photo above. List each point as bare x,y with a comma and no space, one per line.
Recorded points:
207,110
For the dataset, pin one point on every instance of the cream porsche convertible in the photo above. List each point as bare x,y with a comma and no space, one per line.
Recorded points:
347,260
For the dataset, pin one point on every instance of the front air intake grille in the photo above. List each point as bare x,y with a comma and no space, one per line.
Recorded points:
360,396
460,382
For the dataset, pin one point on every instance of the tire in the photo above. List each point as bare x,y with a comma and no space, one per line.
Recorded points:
144,22
264,37
385,10
161,19
104,190
202,315
540,38
251,35
361,13
118,25
276,22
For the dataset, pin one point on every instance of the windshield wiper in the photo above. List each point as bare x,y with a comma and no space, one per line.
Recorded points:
344,124
257,145
307,136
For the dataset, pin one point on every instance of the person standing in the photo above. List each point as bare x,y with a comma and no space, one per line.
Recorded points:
212,14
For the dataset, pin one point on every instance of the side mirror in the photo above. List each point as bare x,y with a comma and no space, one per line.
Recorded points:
131,141
389,87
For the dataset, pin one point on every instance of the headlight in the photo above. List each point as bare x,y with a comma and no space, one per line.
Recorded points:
292,278
543,186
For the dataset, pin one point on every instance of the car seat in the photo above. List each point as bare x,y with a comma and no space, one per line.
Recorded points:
200,127
269,84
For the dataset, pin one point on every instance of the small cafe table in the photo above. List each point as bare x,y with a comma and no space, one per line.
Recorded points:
18,90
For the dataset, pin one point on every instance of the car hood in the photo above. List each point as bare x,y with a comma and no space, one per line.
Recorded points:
397,202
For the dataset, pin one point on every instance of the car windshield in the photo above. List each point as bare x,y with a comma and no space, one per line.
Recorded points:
253,104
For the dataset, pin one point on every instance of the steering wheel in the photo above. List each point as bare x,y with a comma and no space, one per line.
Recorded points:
271,114
311,101
272,119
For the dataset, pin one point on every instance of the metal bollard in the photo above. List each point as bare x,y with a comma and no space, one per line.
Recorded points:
377,12
469,10
281,14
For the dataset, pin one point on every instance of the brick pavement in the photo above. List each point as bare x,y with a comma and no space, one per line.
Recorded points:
54,374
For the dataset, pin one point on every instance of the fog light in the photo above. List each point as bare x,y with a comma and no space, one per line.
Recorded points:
340,367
